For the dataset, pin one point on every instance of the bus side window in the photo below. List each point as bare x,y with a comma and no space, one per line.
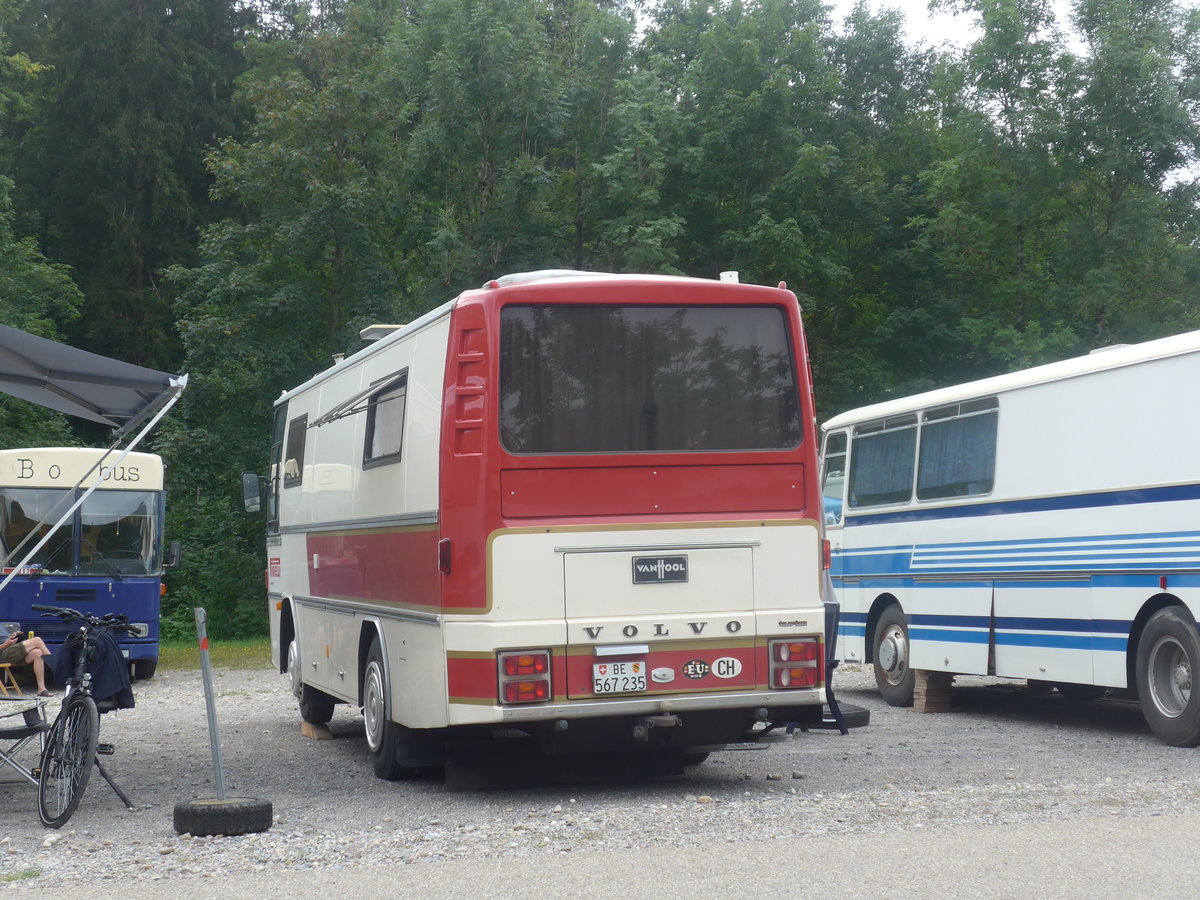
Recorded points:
275,469
385,424
881,470
958,451
293,466
833,480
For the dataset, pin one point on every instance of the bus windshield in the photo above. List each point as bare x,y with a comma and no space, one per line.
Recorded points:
21,509
114,533
613,379
119,529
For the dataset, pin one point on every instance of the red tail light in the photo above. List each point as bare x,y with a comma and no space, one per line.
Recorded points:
526,691
796,663
526,664
796,677
795,651
826,555
524,676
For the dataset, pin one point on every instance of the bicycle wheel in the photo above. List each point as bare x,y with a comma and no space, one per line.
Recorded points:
67,760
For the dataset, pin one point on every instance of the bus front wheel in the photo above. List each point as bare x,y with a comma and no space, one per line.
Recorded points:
144,669
1168,659
893,675
316,707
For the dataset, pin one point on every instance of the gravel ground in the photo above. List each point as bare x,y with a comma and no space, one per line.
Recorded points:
1004,756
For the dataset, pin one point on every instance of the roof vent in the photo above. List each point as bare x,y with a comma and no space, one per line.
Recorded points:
375,332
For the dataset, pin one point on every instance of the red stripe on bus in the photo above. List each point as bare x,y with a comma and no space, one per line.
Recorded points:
471,677
653,490
389,566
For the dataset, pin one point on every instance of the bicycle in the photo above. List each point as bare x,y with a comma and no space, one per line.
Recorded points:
73,742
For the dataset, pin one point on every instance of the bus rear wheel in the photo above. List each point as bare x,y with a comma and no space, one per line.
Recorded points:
1167,661
386,740
890,645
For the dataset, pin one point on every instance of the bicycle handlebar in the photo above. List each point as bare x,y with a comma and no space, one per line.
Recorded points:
115,621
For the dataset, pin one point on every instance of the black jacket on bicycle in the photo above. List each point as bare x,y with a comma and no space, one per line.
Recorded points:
111,687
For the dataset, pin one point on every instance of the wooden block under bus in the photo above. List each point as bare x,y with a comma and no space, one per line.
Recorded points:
931,691
315,732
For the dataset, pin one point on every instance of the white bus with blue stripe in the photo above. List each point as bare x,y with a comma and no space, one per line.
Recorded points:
1042,525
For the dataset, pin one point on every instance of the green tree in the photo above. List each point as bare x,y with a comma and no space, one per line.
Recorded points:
278,289
36,295
1133,122
1053,226
754,83
866,316
111,172
487,106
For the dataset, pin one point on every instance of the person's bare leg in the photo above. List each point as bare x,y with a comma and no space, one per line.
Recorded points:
34,659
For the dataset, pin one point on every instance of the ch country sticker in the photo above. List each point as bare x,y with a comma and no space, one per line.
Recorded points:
727,667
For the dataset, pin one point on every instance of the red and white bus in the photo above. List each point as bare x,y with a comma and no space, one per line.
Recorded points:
576,510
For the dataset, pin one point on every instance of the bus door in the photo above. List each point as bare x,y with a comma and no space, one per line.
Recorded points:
951,624
852,625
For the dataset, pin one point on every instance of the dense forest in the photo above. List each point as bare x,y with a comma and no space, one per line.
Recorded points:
233,188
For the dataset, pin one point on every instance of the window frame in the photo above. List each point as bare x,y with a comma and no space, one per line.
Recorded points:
945,415
400,379
297,425
874,429
275,469
791,408
917,421
842,437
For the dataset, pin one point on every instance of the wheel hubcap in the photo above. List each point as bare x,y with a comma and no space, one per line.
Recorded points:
293,669
893,654
1170,679
373,706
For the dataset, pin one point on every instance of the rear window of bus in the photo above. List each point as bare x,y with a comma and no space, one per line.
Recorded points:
616,379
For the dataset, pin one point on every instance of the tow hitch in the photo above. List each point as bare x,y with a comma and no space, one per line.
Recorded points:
641,731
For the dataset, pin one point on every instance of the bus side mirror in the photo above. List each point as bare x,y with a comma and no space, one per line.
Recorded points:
174,552
251,492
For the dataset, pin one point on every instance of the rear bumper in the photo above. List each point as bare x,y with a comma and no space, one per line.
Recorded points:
593,709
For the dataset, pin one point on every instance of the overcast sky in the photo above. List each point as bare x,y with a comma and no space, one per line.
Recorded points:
930,29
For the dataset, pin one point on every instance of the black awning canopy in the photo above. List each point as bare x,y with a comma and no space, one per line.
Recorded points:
88,386
80,383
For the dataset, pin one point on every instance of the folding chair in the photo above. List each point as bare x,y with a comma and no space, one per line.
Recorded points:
21,720
8,681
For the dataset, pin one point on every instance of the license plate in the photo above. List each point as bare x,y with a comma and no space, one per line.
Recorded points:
618,677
